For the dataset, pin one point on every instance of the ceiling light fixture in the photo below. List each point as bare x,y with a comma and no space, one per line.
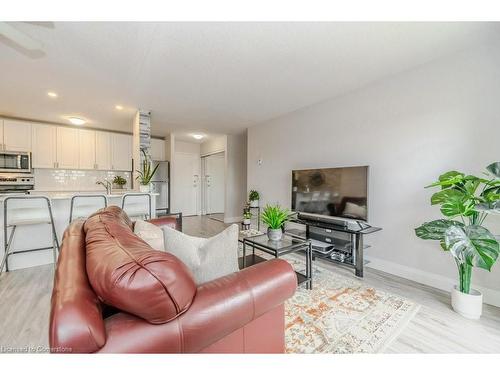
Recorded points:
118,107
52,94
197,136
76,120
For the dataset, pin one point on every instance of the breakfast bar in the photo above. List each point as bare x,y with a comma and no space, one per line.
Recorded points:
39,235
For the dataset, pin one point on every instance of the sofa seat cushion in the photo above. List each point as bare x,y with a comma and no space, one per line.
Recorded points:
208,258
125,272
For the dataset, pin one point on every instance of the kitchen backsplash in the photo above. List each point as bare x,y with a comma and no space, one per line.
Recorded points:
74,180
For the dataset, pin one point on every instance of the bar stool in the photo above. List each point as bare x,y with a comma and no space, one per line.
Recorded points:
137,205
27,210
83,205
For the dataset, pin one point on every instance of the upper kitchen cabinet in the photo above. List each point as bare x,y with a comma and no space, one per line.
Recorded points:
44,153
157,149
87,148
67,148
121,152
15,135
103,150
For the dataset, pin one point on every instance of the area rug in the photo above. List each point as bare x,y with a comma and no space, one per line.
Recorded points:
342,314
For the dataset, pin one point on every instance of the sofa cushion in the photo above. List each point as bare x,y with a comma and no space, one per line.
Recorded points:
208,258
125,272
150,233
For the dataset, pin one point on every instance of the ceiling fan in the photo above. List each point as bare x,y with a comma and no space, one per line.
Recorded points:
20,39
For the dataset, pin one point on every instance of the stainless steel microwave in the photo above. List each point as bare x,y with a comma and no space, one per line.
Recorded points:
15,161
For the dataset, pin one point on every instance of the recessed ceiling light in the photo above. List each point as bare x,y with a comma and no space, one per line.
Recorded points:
76,120
118,107
197,136
52,94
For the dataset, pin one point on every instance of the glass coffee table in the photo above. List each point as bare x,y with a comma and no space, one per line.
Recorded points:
287,245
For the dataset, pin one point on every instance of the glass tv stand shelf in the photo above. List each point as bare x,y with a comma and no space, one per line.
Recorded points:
334,243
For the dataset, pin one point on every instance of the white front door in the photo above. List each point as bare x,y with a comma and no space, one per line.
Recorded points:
214,176
186,180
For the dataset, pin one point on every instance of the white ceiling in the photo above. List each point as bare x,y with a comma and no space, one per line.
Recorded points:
210,77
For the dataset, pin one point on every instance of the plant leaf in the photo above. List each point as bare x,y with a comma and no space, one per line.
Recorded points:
448,179
494,169
490,208
443,196
435,230
473,244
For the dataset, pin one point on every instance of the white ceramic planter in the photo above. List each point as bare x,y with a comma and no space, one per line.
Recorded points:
246,221
274,234
144,188
470,306
254,203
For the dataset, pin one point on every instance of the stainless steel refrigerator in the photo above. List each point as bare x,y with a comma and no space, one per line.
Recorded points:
161,185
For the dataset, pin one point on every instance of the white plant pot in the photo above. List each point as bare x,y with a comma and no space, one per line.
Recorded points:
470,306
144,188
254,203
274,234
246,221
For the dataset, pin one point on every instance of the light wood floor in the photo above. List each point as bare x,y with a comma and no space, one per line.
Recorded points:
25,299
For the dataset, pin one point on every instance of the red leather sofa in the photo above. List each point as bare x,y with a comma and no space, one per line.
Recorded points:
238,313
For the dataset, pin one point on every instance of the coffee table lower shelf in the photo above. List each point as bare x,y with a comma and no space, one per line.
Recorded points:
255,259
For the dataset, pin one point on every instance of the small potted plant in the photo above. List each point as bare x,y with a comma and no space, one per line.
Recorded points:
468,241
275,218
247,217
119,182
254,197
145,174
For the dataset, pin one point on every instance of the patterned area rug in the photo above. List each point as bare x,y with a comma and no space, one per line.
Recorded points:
342,314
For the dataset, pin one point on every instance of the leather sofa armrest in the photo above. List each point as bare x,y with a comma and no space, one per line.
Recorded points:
220,307
76,324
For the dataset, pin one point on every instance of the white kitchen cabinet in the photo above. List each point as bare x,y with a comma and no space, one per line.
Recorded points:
67,148
86,148
16,135
157,149
44,145
121,152
103,150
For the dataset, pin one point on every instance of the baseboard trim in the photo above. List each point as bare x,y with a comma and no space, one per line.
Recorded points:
232,220
490,296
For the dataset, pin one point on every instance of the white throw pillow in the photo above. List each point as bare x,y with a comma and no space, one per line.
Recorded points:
208,258
150,233
354,210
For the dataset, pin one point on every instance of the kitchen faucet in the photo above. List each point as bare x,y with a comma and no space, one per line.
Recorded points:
106,184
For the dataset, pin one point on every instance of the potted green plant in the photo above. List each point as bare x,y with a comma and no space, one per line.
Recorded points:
145,174
247,217
466,201
119,182
254,197
275,218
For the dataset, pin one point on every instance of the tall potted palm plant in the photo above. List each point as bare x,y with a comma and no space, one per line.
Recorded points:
466,201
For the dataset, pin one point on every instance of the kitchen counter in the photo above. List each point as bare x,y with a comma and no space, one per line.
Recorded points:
58,195
35,236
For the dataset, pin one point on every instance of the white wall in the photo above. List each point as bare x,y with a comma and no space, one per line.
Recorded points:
214,145
187,147
236,177
409,128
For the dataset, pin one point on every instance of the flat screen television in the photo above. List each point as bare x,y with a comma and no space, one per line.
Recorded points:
331,192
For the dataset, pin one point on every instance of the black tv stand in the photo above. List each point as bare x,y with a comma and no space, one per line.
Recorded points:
347,243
